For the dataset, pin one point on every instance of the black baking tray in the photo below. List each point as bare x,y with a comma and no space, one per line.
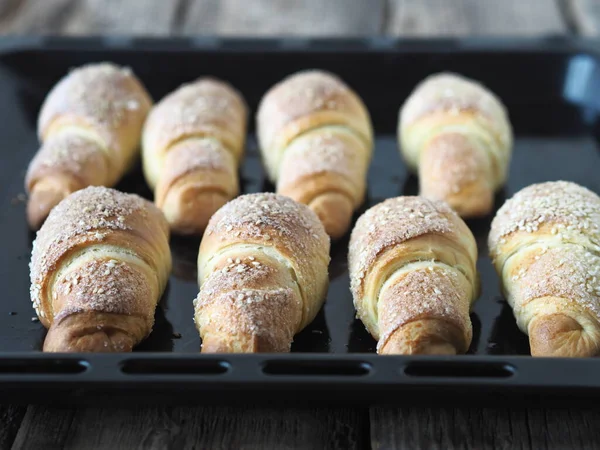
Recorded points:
551,87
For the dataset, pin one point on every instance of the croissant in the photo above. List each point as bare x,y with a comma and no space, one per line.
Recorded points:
316,140
99,265
544,243
90,127
193,142
413,276
262,269
456,134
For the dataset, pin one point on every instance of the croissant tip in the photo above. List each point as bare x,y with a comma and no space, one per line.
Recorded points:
240,344
93,342
415,348
559,335
188,210
41,203
424,337
76,333
334,211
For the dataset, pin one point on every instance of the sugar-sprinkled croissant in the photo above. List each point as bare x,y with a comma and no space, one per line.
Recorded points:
413,276
455,133
262,270
99,265
90,127
316,139
193,143
545,245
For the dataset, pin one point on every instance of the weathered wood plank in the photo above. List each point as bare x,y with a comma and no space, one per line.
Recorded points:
44,428
187,427
482,428
31,16
473,17
272,17
77,17
583,16
123,17
10,418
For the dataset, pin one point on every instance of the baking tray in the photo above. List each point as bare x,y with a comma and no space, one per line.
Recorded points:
551,87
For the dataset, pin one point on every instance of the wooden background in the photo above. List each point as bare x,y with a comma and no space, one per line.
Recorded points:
37,427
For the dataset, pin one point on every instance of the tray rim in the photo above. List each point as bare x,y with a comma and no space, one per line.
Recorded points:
544,43
384,374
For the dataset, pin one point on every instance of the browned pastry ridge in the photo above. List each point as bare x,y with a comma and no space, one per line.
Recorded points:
316,140
545,245
456,134
99,265
193,143
262,271
413,276
90,127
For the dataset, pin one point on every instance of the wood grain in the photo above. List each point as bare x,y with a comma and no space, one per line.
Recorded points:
32,16
187,428
44,428
78,17
474,17
482,428
124,17
273,17
582,15
11,418
193,17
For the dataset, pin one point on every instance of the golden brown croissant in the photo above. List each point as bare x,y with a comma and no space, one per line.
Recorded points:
90,127
544,243
99,265
413,276
192,145
316,139
455,133
262,270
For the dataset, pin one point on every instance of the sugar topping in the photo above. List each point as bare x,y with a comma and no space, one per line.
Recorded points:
452,163
106,285
452,93
69,153
103,94
86,216
567,271
264,217
241,275
192,155
568,207
271,316
324,151
309,90
242,297
431,294
391,223
196,109
195,102
302,94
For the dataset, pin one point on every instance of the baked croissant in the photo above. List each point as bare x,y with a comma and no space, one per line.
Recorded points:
545,244
456,134
413,276
192,145
262,271
316,140
90,127
99,265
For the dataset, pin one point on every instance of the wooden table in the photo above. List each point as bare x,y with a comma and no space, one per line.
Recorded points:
37,427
